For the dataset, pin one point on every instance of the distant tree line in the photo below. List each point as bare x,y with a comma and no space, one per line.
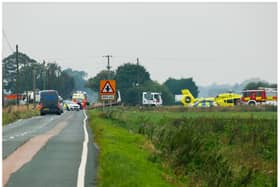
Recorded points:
47,75
259,84
133,79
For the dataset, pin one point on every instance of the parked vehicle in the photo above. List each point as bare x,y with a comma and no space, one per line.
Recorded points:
80,98
205,103
223,99
228,99
151,98
70,105
259,96
50,102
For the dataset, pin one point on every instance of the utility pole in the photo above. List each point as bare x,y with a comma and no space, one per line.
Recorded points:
17,75
108,65
3,83
44,76
108,69
34,86
138,84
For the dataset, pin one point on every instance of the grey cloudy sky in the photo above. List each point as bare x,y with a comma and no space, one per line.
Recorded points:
211,42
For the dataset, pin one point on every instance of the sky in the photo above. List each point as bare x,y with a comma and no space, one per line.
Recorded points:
223,43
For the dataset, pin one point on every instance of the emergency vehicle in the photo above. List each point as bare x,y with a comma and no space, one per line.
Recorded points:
80,98
260,96
228,99
223,99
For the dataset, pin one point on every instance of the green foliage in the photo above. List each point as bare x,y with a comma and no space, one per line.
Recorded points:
93,83
132,80
124,156
47,76
176,85
133,96
257,85
211,149
129,75
153,86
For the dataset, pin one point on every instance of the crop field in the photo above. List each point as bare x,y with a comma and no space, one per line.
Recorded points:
204,147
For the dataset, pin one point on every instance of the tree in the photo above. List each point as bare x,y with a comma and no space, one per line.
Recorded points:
93,83
176,85
9,70
131,75
47,76
257,85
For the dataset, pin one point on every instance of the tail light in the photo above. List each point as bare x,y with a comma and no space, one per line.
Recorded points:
40,106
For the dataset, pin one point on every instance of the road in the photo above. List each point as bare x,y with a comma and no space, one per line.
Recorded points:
49,150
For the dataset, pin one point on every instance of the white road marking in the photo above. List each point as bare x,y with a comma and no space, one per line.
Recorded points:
82,167
31,131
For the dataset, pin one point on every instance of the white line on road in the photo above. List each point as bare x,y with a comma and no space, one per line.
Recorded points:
82,168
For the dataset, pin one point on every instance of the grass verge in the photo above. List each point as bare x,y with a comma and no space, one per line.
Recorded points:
125,157
209,148
13,113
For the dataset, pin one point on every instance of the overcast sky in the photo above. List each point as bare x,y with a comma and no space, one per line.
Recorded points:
211,42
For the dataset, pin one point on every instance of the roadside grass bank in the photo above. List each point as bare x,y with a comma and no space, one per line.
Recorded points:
13,113
209,148
180,108
125,157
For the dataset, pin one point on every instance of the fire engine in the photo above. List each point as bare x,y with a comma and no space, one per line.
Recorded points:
259,96
80,98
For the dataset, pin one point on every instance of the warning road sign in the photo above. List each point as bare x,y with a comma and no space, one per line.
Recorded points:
107,87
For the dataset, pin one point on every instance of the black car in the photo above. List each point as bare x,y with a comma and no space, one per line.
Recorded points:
49,102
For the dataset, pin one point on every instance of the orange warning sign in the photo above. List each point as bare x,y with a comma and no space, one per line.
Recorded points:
107,87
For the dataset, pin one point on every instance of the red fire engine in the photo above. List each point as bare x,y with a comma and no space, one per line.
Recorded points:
259,96
80,98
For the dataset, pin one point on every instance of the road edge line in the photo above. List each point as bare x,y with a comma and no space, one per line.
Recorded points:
82,167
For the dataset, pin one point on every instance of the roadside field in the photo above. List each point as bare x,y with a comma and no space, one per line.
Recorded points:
13,113
206,148
125,157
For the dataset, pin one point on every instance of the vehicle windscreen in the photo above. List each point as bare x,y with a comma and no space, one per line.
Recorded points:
49,99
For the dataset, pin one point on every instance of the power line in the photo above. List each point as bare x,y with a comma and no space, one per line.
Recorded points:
7,40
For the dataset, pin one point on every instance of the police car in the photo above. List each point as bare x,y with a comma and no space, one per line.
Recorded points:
204,103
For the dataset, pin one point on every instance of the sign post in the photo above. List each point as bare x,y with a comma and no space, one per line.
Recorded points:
107,90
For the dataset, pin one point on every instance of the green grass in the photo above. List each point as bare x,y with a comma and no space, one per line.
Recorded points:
211,148
11,114
125,157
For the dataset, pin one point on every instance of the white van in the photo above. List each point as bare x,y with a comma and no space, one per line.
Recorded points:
151,98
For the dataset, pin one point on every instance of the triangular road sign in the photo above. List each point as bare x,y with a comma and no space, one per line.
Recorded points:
107,89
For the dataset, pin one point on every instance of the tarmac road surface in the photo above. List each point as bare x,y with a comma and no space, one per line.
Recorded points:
49,150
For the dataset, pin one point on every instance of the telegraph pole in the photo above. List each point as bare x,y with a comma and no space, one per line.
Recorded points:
108,65
34,86
108,69
17,75
138,84
44,76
